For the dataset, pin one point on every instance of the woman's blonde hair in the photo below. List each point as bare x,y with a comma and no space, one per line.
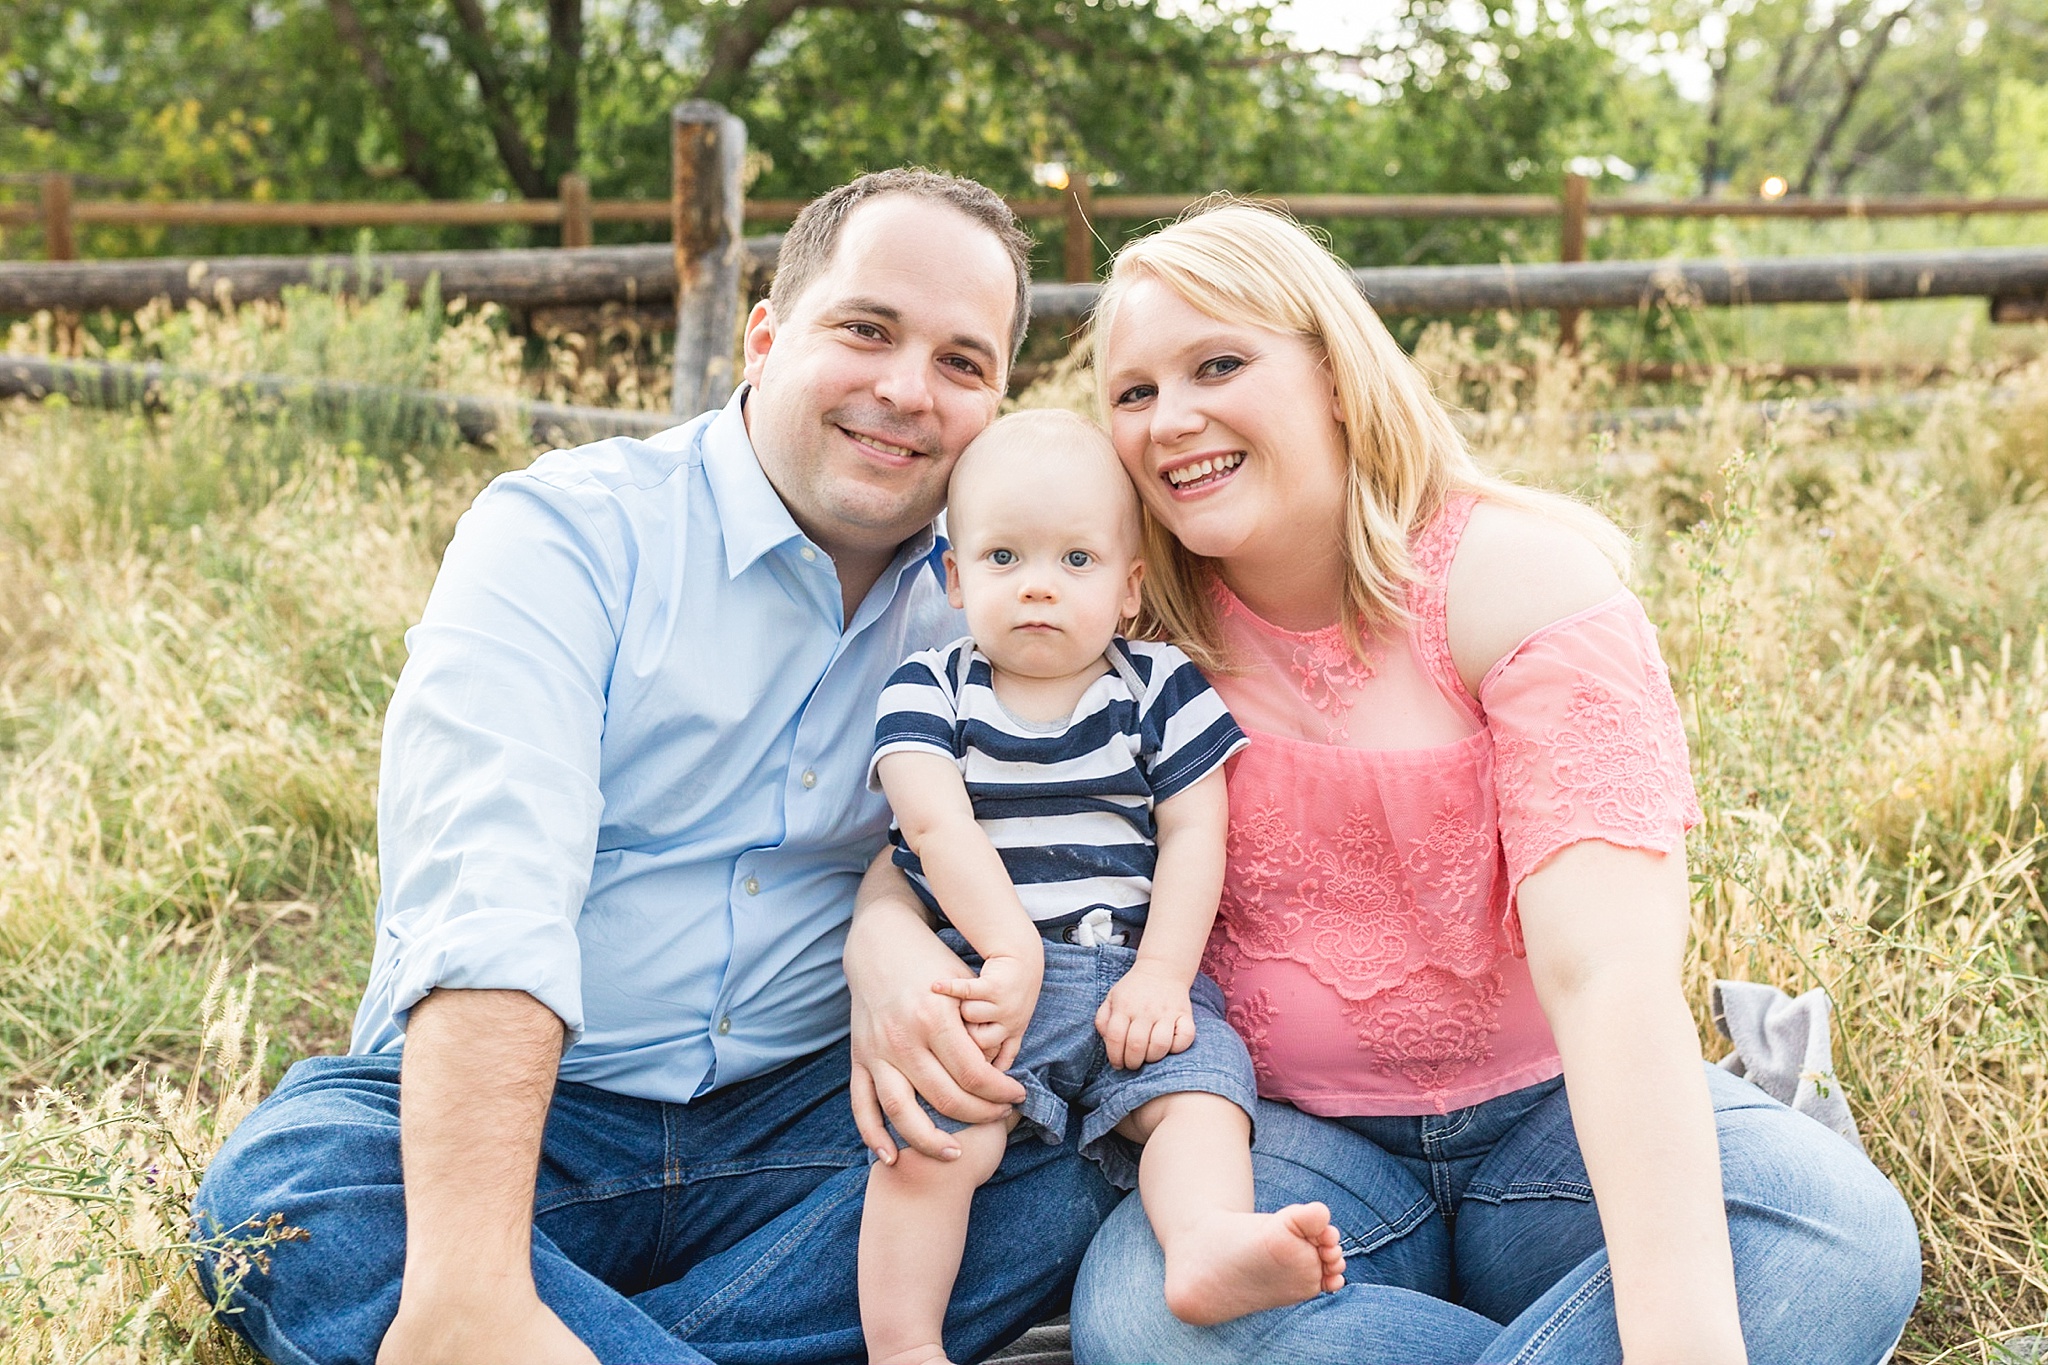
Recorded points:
1242,263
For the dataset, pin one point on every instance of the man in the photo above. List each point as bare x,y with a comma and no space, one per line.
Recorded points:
596,1105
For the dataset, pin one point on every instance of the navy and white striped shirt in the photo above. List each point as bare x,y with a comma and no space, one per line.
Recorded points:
1068,805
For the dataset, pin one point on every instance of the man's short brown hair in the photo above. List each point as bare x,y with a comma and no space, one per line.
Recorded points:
808,246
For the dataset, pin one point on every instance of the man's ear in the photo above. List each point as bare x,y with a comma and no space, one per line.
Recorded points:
759,337
954,595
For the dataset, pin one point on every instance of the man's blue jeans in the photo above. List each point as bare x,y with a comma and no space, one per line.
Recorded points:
722,1229
1473,1237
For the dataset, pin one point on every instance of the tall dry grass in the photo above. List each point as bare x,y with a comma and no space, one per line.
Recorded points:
201,618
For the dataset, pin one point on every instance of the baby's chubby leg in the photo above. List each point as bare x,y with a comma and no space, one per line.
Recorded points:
913,1230
1222,1259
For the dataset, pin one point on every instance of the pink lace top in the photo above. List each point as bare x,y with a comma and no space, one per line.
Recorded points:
1381,818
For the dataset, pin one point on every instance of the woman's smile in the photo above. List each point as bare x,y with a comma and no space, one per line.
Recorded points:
1196,474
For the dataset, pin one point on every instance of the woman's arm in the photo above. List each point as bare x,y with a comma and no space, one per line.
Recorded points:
1605,928
907,1040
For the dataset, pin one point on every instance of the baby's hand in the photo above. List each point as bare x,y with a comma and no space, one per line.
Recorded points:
996,1005
1145,1017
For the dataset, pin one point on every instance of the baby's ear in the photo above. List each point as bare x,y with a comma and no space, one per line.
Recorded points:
954,596
1133,599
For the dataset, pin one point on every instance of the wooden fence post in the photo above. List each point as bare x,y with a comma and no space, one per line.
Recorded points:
1080,254
1572,247
710,150
573,193
59,243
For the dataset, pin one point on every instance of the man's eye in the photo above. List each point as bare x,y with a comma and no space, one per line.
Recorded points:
1002,559
1079,559
866,331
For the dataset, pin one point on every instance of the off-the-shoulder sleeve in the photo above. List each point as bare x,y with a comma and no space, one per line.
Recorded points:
1587,739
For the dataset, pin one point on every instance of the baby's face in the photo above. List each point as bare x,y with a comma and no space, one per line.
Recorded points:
1044,557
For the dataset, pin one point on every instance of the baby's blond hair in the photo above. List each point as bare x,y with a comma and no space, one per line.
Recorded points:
1040,429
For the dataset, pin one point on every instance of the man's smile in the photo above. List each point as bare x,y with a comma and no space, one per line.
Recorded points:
887,451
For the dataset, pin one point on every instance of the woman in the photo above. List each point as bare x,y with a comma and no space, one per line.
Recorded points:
1456,909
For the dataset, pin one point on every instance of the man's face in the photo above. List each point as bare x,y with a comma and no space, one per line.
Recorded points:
885,367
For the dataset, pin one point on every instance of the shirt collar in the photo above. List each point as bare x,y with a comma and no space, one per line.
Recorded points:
751,516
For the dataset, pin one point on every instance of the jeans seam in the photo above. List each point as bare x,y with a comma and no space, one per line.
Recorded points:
276,1333
1566,1311
671,1181
569,1196
760,1269
834,1158
1460,1121
1413,1217
1575,1190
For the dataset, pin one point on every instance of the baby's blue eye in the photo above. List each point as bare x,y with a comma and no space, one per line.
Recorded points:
1002,559
1079,559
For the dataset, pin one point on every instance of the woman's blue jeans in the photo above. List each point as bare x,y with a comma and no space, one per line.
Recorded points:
722,1229
1472,1237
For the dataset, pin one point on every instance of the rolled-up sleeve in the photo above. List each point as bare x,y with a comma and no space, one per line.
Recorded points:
489,803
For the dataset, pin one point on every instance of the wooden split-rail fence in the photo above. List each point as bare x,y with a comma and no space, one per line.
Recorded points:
707,266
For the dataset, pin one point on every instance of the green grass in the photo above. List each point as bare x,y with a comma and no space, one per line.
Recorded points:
201,618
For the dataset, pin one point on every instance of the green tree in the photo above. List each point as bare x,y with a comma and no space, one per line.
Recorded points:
466,98
1879,96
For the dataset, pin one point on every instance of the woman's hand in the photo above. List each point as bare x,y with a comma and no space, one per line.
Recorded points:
1145,1017
907,1039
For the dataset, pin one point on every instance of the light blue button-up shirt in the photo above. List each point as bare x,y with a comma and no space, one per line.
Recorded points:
624,766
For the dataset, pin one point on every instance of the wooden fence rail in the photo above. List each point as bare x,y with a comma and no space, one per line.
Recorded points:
544,277
60,213
484,421
707,208
104,384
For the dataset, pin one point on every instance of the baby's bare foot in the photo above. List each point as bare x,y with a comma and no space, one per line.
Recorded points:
1231,1264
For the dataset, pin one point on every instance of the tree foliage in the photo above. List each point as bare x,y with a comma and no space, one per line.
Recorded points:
1839,96
449,99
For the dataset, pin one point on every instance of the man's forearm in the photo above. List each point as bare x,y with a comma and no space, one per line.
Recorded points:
479,1073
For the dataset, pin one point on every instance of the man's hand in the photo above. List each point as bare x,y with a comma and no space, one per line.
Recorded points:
908,1040
997,1004
1145,1017
480,1323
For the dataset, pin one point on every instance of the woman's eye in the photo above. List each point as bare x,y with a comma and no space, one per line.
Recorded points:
1137,393
1079,559
1221,365
1002,559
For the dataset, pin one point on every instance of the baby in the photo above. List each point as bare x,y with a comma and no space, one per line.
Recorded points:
1060,804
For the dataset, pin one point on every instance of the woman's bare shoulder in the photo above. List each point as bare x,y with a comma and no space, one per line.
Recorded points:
1517,570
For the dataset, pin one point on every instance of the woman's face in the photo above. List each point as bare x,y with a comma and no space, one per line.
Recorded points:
1230,432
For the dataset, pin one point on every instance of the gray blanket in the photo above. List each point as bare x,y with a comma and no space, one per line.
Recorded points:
1782,1047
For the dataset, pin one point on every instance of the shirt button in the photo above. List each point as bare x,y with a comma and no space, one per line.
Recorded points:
808,553
810,778
725,1024
753,885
